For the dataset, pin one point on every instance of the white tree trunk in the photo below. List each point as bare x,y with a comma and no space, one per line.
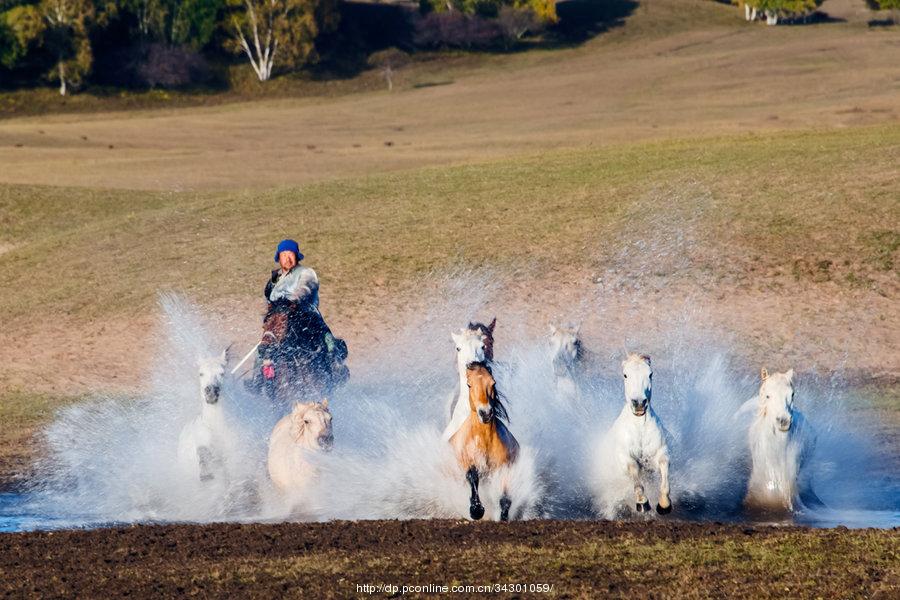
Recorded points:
771,18
263,59
62,78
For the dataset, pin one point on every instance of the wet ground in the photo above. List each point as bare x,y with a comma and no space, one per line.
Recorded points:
568,559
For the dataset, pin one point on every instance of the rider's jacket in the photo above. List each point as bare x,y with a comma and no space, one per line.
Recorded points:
299,288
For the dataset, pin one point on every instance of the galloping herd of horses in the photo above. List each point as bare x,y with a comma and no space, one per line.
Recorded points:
635,445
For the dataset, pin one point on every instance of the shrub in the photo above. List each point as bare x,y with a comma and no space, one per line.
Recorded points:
171,67
456,30
516,22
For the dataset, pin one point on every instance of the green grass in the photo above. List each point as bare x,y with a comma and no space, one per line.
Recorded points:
761,210
21,414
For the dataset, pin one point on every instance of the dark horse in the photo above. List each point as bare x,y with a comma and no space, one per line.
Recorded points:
301,358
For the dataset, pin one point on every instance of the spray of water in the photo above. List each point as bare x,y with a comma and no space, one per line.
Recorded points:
114,460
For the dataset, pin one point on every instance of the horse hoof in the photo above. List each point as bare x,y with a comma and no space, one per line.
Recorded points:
476,511
645,507
663,511
505,504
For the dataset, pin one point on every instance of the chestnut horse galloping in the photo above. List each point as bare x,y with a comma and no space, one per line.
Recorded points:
483,444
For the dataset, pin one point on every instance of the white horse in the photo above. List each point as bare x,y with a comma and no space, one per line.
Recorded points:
306,429
203,442
565,356
781,441
636,441
474,344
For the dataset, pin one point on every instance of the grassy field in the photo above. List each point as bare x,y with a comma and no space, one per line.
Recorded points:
675,69
772,210
22,414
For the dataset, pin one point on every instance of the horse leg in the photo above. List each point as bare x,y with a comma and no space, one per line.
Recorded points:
476,510
505,503
641,502
205,458
664,506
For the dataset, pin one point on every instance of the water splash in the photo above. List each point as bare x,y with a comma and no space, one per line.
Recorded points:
113,460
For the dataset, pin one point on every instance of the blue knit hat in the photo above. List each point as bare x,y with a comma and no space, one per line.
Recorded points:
291,246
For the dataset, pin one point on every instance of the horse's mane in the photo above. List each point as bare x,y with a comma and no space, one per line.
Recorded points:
486,331
497,399
479,326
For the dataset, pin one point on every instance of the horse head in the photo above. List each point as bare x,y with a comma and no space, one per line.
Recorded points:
776,399
484,399
488,332
311,425
212,374
475,343
565,348
638,377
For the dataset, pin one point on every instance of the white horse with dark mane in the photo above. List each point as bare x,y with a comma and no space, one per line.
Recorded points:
781,442
204,441
635,443
474,344
307,429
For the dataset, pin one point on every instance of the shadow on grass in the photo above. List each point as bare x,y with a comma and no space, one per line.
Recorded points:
581,20
813,18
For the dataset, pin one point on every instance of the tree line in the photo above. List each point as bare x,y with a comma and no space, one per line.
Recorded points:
167,42
773,10
171,43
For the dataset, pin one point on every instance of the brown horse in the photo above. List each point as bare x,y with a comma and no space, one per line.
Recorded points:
483,443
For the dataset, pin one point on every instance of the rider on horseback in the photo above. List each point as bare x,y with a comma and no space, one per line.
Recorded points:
292,286
294,332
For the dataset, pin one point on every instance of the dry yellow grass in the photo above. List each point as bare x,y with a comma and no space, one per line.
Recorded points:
677,68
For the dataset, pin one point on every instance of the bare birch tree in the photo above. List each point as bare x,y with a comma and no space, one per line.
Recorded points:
278,33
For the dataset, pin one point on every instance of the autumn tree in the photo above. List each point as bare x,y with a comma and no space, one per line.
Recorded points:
195,21
66,36
278,33
544,10
20,31
174,22
775,9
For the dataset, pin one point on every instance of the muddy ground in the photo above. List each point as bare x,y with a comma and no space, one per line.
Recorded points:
333,560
